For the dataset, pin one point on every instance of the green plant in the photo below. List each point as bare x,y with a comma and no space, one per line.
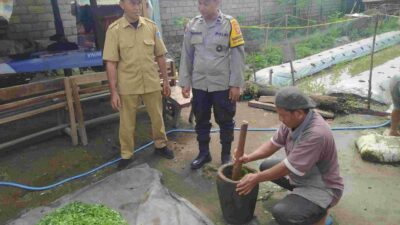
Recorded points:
268,57
335,17
180,21
79,213
241,19
253,34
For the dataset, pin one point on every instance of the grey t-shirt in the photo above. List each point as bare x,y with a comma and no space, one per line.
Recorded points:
312,160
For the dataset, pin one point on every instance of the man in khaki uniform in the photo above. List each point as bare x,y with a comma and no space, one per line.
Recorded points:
132,43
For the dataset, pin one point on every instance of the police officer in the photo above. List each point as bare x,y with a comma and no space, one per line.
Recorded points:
212,66
132,43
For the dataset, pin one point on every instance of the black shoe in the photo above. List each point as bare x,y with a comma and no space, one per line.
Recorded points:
123,163
165,152
225,159
200,161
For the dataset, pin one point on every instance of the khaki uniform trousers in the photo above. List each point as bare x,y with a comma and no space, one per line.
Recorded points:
127,121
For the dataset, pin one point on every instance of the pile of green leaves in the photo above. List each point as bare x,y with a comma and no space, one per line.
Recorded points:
79,213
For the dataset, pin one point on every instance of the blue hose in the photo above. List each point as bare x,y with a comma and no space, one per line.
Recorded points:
31,188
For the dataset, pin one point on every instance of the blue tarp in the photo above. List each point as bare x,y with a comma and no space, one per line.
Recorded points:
45,62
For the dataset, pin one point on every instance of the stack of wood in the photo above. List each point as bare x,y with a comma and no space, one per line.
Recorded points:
327,106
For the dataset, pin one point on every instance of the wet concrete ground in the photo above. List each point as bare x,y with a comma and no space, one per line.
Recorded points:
370,197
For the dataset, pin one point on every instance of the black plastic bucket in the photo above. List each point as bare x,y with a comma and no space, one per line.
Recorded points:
236,209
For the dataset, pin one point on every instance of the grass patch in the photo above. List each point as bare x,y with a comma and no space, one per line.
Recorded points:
363,64
45,171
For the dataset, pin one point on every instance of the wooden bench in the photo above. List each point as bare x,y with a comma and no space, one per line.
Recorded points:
29,100
92,86
174,104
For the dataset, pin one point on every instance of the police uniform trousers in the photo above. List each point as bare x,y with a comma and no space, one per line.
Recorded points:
224,111
127,124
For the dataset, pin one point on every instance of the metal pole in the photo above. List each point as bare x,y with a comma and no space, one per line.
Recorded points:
57,18
286,24
260,11
372,63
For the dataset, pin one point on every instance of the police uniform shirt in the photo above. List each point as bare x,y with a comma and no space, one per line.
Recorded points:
212,56
135,51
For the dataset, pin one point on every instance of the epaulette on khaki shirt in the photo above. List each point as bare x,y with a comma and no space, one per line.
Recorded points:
135,51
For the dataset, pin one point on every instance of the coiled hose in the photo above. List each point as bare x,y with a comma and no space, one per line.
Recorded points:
31,188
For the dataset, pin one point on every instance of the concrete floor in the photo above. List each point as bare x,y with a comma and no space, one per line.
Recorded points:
371,190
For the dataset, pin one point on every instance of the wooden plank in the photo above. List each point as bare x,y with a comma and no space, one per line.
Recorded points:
30,136
89,96
21,91
324,99
267,99
71,112
89,78
325,114
261,105
32,113
101,88
79,112
31,101
271,107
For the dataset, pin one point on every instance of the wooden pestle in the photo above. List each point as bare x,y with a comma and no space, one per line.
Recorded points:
237,167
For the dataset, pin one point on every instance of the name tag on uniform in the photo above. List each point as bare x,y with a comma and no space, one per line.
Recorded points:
221,34
196,32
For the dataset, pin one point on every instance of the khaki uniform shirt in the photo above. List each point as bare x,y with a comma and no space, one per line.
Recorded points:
135,51
212,56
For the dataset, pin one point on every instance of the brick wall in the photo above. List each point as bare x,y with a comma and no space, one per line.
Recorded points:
249,12
34,19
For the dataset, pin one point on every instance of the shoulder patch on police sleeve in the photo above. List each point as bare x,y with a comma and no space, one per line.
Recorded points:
236,38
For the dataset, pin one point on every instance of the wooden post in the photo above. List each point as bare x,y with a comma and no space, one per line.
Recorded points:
260,12
271,71
372,63
266,36
237,167
79,112
286,24
71,112
308,17
292,72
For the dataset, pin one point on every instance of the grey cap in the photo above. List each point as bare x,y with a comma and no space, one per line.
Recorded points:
291,98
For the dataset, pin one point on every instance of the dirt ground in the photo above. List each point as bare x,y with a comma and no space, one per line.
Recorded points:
370,197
